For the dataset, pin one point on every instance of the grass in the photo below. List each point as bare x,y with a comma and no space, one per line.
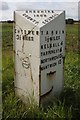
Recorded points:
67,106
7,42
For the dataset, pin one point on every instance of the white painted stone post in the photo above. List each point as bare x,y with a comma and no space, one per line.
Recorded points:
39,49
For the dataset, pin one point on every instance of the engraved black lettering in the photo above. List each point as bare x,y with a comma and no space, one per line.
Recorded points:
15,30
17,37
41,46
50,45
47,38
45,46
46,32
37,32
50,38
61,49
62,43
33,32
29,31
44,53
31,38
59,61
21,31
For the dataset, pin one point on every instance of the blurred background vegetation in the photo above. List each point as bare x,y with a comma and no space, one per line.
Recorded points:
67,106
